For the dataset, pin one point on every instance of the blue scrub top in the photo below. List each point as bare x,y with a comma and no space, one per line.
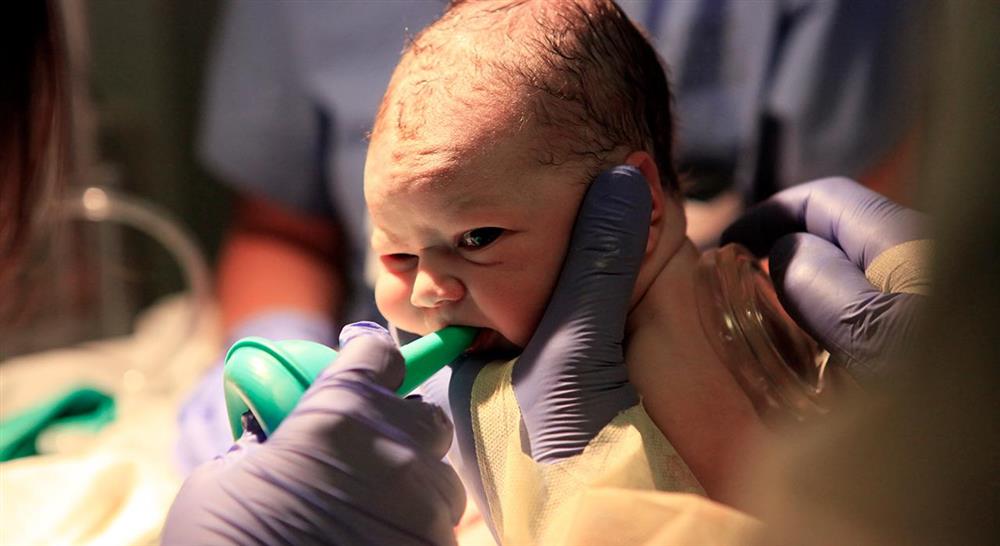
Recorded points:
768,93
772,93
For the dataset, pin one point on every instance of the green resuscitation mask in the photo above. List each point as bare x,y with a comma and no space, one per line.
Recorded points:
267,378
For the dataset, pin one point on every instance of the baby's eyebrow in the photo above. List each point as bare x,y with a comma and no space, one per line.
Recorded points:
380,237
469,200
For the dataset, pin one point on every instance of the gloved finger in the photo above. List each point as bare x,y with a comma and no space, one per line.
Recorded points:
362,328
426,424
435,389
415,436
570,380
860,221
830,298
345,419
343,471
341,392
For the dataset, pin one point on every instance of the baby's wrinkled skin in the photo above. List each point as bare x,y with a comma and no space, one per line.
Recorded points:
473,235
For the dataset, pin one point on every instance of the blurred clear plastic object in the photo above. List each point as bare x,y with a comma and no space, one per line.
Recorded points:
103,205
779,366
81,283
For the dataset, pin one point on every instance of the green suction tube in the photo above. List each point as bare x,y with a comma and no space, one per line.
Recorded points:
267,378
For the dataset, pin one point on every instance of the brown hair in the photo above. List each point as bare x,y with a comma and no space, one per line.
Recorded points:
33,121
588,75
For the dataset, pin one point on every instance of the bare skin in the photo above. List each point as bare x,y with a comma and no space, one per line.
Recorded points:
685,388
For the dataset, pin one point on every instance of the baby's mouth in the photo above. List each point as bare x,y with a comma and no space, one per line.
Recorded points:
491,342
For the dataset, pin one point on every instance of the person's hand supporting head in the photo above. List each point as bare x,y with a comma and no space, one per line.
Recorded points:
571,381
352,464
848,264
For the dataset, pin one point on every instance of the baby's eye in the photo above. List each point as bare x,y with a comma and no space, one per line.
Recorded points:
399,262
478,238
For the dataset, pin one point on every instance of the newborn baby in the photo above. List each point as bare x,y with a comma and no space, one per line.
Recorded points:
495,121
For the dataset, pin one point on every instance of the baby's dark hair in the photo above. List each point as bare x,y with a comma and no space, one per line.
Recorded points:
580,69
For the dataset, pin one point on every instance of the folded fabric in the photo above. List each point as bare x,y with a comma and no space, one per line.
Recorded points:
111,498
82,407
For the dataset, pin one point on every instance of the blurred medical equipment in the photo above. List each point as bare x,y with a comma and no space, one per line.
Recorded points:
780,368
104,205
84,281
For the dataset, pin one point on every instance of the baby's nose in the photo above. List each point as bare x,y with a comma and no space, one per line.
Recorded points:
432,289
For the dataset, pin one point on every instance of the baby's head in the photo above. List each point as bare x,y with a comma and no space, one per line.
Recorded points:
496,119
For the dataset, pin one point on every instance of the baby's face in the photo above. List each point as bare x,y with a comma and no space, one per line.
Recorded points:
466,237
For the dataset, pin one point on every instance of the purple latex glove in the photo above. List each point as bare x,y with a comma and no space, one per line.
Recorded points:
570,380
821,237
352,464
202,422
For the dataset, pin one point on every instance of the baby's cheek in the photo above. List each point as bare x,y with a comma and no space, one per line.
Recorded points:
526,303
392,296
517,311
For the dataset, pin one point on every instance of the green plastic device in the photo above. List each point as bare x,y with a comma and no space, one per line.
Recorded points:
267,378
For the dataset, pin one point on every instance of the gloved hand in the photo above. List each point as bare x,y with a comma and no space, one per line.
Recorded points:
352,464
848,264
202,420
570,380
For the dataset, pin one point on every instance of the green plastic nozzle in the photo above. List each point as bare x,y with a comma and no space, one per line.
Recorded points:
267,377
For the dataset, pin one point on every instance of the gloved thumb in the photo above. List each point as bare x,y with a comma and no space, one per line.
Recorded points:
826,293
570,381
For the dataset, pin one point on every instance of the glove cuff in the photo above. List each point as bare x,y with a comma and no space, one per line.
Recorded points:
903,268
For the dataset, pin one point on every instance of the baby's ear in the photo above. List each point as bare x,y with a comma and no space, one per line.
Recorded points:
647,166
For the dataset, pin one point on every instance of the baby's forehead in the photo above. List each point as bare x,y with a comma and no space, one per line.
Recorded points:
454,107
444,179
495,175
446,150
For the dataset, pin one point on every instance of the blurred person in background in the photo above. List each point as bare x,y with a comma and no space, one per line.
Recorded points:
35,126
772,94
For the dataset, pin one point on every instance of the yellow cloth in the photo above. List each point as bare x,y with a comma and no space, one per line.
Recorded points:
629,486
626,517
